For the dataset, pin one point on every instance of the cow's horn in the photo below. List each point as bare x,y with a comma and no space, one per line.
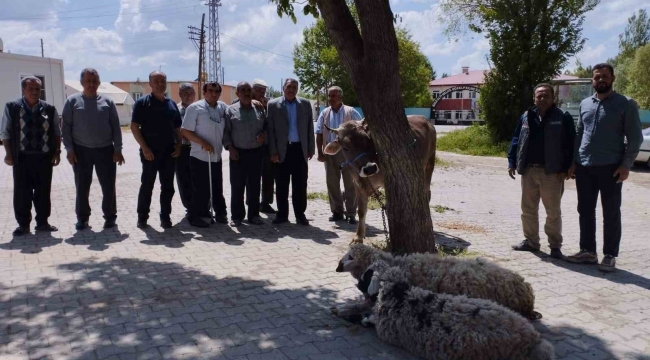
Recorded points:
335,131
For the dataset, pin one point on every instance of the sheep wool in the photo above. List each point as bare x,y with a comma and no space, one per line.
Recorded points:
475,278
442,326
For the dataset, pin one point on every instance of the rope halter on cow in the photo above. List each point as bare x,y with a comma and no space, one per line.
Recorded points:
351,162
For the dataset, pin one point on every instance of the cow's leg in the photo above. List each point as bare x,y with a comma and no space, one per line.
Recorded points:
362,200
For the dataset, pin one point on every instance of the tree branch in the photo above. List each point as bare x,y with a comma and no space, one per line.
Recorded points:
342,28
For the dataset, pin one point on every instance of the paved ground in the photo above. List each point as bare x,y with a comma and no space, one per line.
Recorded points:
265,292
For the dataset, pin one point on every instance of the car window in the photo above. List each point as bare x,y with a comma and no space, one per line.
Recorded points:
646,132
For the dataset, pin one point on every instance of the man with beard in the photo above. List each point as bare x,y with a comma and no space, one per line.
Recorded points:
602,161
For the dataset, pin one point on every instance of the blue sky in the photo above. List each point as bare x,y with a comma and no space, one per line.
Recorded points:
127,39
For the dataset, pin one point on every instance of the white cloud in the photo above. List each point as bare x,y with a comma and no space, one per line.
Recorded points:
157,26
129,17
425,30
591,55
475,61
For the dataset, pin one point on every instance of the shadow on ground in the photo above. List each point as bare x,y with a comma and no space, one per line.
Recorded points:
144,309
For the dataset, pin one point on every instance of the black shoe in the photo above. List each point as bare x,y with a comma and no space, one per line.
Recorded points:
336,217
165,223
256,221
352,220
81,225
279,220
221,219
267,209
205,214
523,246
46,227
109,223
235,223
557,253
302,220
20,231
198,222
142,223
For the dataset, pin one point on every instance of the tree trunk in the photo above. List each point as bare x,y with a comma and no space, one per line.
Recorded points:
372,62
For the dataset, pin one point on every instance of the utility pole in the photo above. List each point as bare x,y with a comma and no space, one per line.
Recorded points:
42,52
194,32
214,44
223,75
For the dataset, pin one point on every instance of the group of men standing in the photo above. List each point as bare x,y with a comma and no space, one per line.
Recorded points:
547,149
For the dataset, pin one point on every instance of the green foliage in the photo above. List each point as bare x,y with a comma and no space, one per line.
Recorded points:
318,196
636,34
318,66
639,86
474,140
582,71
530,42
444,75
273,93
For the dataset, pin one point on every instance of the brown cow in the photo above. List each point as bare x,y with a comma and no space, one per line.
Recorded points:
361,159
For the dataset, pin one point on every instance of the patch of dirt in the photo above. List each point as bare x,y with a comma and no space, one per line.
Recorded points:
457,225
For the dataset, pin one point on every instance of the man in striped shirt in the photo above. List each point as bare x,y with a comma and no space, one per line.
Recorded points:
333,116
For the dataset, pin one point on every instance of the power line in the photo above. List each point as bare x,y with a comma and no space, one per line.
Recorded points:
53,17
257,47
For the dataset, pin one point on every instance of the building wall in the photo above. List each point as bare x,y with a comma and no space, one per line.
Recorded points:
13,67
137,89
457,106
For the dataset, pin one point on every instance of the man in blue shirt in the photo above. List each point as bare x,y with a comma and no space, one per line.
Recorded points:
333,116
602,161
155,125
291,144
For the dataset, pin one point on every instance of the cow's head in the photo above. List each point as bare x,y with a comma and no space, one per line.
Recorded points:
353,138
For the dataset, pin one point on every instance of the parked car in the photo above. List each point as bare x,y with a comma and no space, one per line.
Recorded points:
644,153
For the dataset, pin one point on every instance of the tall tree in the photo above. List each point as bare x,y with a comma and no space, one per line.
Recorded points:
636,34
530,42
639,85
318,65
581,71
370,54
444,75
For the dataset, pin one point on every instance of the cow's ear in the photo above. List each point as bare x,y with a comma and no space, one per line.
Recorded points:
332,148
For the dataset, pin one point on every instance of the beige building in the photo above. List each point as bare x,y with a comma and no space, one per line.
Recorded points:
140,88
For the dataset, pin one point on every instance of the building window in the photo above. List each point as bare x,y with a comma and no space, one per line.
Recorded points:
470,115
472,94
42,79
447,115
136,95
459,115
459,94
435,94
447,96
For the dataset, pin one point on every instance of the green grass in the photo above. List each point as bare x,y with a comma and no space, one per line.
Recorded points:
441,209
443,164
318,196
474,140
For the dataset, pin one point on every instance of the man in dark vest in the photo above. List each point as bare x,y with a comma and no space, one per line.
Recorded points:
31,136
542,152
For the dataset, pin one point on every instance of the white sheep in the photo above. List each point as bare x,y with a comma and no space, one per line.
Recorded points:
475,278
442,326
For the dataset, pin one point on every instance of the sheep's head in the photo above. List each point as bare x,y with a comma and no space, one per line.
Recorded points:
358,259
369,281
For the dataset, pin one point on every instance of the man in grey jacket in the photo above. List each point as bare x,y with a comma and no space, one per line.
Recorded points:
291,144
92,138
602,161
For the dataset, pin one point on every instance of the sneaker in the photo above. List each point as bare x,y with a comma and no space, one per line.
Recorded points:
523,246
81,225
583,257
557,253
608,264
336,217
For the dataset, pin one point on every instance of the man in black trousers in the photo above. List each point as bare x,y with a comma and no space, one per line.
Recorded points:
155,125
183,175
268,167
31,136
244,137
291,144
92,138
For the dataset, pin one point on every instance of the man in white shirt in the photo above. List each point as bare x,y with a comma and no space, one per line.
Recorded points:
203,125
335,115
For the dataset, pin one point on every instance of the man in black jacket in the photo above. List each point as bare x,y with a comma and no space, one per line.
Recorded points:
542,152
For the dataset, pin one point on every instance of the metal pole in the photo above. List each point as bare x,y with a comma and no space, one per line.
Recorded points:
201,53
42,52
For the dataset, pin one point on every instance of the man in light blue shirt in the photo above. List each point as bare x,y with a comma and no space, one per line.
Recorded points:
602,162
333,116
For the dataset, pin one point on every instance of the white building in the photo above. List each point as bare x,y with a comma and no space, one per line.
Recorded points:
14,67
123,100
